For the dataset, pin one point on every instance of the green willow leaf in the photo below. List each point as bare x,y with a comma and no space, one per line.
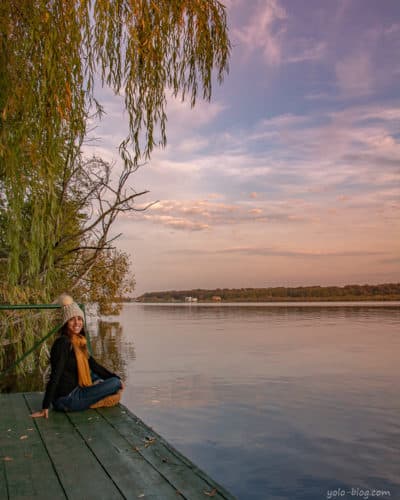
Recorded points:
51,55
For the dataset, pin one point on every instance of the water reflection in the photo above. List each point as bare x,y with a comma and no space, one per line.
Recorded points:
286,402
110,347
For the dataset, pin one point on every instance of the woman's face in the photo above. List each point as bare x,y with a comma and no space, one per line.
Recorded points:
75,325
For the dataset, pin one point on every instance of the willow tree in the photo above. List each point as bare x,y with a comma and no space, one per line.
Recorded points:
54,54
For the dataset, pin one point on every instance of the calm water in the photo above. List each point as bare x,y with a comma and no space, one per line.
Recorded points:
274,402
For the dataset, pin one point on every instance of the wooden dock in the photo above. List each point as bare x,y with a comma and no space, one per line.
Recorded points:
98,454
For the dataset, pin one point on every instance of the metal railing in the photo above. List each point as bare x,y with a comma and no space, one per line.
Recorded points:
15,307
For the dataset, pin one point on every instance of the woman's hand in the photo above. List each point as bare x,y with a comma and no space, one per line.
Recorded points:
41,413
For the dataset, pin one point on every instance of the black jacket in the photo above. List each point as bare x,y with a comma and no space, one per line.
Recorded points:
64,371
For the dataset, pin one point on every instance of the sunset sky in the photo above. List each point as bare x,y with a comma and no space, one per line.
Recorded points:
291,175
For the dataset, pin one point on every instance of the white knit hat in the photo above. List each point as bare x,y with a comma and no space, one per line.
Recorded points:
69,308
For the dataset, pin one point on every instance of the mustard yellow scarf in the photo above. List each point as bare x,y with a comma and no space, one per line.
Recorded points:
84,378
82,355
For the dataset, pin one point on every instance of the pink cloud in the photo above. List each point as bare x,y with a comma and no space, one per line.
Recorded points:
198,215
309,51
177,222
355,74
263,31
255,211
181,114
393,29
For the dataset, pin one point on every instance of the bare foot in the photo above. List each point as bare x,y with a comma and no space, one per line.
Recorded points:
41,413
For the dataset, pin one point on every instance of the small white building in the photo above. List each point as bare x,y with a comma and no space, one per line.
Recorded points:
191,299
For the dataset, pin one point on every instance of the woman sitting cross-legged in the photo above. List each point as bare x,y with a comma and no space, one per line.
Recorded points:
77,382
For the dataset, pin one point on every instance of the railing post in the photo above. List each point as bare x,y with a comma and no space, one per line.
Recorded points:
5,307
89,344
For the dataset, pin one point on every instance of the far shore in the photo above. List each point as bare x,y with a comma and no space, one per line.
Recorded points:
268,301
272,301
384,292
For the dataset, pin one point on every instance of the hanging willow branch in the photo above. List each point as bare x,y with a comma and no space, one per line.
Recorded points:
51,55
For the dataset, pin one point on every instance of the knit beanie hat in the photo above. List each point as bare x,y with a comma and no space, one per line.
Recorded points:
69,308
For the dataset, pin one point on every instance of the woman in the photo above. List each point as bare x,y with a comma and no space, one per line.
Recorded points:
77,382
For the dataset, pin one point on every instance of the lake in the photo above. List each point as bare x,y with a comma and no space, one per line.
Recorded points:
274,401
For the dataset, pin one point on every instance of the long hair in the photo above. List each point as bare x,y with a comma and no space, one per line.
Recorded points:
64,331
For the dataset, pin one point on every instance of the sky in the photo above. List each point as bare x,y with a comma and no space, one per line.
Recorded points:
290,176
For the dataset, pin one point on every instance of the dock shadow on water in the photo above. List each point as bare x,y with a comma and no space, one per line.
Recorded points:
274,402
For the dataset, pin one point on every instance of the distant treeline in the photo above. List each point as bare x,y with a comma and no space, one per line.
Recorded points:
387,291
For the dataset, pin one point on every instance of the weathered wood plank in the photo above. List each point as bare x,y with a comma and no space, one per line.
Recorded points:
105,454
3,478
186,477
136,478
79,471
27,469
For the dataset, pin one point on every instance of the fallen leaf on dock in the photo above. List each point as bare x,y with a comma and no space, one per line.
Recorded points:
136,448
8,459
148,441
211,493
24,437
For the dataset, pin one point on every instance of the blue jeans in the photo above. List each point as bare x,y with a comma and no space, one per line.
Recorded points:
81,398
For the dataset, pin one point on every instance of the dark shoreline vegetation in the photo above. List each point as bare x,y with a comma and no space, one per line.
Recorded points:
382,292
